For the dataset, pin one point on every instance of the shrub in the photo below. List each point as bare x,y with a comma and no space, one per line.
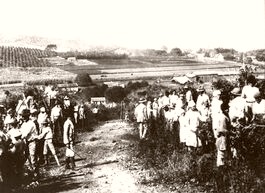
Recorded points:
83,79
115,94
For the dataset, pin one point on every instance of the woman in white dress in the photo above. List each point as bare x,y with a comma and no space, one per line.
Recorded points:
193,122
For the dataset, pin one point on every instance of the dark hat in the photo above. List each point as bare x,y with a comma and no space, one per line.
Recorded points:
25,112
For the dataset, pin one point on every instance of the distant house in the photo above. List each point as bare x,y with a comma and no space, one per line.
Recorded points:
219,57
73,87
181,79
71,59
112,84
98,100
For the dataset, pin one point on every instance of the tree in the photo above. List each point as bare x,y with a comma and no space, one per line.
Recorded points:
115,94
176,52
83,79
51,47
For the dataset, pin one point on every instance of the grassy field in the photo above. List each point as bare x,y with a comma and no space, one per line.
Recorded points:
123,70
148,68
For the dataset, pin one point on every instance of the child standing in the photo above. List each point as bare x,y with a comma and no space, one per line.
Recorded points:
47,135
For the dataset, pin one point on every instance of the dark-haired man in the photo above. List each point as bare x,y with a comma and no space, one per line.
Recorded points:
29,133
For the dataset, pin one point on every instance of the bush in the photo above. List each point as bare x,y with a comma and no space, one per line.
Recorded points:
115,94
226,87
83,79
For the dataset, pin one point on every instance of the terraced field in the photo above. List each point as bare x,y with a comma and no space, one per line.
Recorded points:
135,69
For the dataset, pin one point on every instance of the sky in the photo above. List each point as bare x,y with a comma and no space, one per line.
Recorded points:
193,24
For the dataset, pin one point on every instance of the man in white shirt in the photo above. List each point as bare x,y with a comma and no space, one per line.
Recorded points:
29,132
248,93
237,108
68,140
140,113
56,118
166,99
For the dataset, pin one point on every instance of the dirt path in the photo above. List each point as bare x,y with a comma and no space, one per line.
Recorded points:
103,169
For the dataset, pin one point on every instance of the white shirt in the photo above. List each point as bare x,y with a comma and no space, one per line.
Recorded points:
259,108
237,108
202,101
216,105
165,101
173,99
188,96
140,113
28,130
248,92
56,112
42,117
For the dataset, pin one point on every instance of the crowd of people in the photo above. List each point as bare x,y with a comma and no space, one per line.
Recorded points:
200,122
33,128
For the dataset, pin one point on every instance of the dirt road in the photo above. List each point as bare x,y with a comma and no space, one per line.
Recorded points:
103,167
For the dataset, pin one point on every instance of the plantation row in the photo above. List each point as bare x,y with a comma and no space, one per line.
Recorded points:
23,57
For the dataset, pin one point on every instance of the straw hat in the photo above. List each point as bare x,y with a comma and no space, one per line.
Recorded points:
142,100
236,91
200,89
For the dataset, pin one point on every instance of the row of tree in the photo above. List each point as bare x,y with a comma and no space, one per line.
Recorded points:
23,57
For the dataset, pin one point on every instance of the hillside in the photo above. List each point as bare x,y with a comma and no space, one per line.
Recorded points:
11,56
38,42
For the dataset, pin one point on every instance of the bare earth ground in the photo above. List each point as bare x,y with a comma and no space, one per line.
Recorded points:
104,166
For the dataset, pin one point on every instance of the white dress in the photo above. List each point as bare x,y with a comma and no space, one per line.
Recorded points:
182,129
193,121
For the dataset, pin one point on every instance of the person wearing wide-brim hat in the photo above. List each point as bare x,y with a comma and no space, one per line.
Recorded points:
237,105
140,113
203,99
236,91
142,100
200,89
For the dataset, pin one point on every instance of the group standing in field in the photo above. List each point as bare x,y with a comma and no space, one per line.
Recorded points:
30,131
198,122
